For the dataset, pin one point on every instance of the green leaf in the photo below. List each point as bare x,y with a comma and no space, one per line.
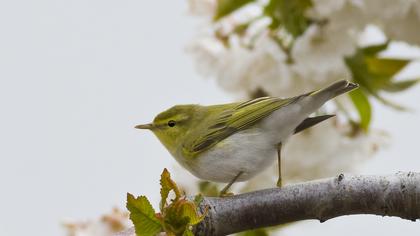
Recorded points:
175,218
143,216
180,215
174,221
289,14
189,209
401,85
225,7
166,185
386,67
363,107
374,49
375,75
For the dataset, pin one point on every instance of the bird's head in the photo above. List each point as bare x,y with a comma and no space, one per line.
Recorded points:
172,125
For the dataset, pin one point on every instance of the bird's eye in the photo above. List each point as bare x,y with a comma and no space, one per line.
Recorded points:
171,123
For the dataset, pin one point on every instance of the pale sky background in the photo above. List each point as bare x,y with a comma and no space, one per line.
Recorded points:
76,76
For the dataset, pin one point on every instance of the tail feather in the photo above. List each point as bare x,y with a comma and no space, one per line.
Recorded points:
337,88
319,97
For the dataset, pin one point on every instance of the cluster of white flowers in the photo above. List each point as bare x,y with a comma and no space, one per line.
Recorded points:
253,60
247,61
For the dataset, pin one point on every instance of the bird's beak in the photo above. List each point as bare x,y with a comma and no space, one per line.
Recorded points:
146,126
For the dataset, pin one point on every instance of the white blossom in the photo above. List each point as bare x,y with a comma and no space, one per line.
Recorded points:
202,7
398,18
243,15
207,52
250,61
387,9
319,54
410,30
324,8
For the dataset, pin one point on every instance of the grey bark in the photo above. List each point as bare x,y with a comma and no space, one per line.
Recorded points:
391,195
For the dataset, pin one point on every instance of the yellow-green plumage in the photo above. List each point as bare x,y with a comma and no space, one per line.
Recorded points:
207,140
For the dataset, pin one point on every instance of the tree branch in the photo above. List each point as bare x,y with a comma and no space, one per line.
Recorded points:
391,195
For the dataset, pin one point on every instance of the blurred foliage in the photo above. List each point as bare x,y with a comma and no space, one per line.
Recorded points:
363,107
225,7
175,217
288,14
375,74
283,13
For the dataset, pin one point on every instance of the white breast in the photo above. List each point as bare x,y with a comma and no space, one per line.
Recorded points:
247,151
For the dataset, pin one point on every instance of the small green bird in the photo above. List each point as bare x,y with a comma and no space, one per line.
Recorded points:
234,142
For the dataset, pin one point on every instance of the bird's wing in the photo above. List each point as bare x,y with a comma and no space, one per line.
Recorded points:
238,117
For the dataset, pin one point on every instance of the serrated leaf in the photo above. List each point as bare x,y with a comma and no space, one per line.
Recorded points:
363,107
166,185
143,216
174,221
180,215
189,209
289,14
225,7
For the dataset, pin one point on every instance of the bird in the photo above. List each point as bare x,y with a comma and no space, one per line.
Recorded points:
233,142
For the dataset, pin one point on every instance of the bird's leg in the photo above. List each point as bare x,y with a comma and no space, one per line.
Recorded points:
224,193
279,164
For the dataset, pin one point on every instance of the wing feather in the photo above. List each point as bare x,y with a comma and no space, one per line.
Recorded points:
236,118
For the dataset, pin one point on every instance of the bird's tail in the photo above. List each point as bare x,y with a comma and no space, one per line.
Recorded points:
335,89
319,97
